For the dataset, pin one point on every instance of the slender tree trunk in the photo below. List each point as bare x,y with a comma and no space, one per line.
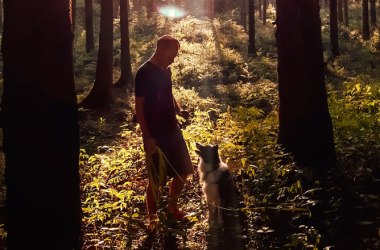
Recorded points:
340,11
100,95
1,15
265,6
151,7
346,17
305,123
125,80
73,13
178,2
220,6
365,23
251,28
89,26
209,7
243,13
116,5
373,13
260,8
40,126
334,28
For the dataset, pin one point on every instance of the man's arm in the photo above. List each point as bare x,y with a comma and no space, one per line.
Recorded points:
177,107
149,142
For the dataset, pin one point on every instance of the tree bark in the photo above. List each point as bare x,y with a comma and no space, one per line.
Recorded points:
89,26
151,7
40,126
260,6
1,15
305,123
345,11
125,80
373,13
101,95
116,5
251,28
243,13
365,22
334,28
340,11
73,13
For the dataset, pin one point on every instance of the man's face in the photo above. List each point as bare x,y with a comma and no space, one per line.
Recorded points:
169,56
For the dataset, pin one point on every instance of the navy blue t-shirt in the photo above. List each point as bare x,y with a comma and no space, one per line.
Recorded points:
155,85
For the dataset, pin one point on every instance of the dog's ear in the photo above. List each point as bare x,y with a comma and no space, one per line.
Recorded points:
199,148
216,147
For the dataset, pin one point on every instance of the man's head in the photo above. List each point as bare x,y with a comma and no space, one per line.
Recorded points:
166,50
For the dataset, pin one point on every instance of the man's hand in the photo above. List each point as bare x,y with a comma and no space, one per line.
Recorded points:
150,145
185,114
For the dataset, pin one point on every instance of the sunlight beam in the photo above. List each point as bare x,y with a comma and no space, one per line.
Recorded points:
171,11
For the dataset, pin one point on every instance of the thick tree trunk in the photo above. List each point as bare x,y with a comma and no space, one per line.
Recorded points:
373,13
251,28
340,11
305,123
89,26
125,80
345,11
243,13
100,95
41,132
334,28
365,22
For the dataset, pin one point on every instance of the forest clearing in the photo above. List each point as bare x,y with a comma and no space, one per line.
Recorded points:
231,89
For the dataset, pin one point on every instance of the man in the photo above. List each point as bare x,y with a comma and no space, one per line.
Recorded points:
156,110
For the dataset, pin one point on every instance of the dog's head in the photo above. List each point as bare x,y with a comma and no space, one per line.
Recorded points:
208,153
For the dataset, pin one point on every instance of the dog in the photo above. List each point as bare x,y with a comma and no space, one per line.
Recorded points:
217,183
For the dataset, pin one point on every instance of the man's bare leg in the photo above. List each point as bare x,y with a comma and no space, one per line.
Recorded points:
175,190
150,203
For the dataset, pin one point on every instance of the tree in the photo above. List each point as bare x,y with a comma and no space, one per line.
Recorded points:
305,123
100,95
243,13
259,7
265,6
151,7
40,127
125,55
345,11
334,28
340,11
373,13
116,5
209,8
251,28
1,15
365,19
89,26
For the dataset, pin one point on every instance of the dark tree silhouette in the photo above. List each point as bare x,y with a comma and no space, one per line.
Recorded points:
101,95
125,55
305,123
89,26
334,28
365,20
340,11
73,8
265,6
373,13
243,13
345,11
251,28
41,132
1,15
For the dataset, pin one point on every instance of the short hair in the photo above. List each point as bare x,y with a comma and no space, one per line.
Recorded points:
167,42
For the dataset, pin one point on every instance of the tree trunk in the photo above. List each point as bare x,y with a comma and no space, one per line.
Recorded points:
220,6
73,13
1,15
265,5
251,28
260,6
305,123
209,8
178,2
89,26
100,95
125,80
365,20
243,13
340,11
116,4
334,28
373,13
346,17
151,7
136,5
40,126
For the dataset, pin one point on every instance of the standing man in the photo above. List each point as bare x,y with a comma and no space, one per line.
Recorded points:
156,110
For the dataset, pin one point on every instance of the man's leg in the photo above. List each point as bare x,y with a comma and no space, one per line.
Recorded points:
175,190
150,203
